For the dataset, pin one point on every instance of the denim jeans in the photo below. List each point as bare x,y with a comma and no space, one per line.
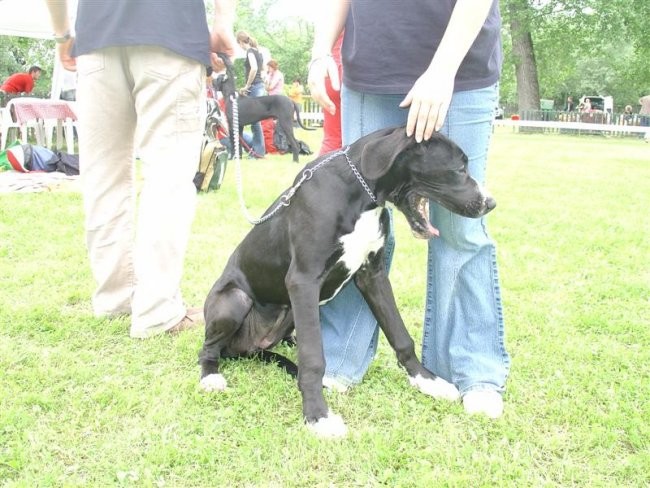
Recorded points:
463,339
258,146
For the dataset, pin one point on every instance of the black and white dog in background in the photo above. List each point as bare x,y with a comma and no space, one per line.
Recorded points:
333,231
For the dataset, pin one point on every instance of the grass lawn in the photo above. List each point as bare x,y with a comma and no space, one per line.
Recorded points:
82,404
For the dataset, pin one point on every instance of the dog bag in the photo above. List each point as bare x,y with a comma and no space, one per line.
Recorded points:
282,144
212,167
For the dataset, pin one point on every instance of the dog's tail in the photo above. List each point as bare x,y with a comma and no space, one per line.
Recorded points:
273,357
296,108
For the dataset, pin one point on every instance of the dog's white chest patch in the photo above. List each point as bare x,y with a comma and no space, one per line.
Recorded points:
366,238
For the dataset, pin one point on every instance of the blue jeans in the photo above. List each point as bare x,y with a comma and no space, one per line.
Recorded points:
258,146
463,340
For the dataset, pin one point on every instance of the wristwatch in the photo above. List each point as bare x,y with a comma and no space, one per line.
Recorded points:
64,38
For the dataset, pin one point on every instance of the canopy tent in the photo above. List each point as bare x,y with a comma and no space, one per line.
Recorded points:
25,18
31,18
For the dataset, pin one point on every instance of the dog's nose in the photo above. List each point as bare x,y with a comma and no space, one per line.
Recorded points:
490,203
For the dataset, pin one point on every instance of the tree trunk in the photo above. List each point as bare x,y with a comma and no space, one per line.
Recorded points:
523,55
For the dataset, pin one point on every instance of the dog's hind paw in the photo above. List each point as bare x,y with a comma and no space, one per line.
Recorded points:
213,382
330,427
437,388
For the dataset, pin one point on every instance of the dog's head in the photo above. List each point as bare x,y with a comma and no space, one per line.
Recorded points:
411,173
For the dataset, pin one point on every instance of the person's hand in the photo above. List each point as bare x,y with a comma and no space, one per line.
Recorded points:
319,70
244,91
429,101
217,63
223,42
64,51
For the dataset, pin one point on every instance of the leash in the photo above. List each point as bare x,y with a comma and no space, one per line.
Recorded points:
285,198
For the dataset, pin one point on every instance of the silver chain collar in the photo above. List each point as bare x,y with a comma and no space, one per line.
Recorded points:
285,199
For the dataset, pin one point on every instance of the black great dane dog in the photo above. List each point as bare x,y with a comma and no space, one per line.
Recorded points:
332,231
255,109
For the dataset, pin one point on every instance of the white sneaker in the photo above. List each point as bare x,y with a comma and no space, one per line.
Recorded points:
334,384
486,402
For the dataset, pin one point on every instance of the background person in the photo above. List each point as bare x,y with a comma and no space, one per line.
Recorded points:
19,84
628,115
22,82
254,86
332,121
570,104
274,79
296,92
141,88
644,113
442,62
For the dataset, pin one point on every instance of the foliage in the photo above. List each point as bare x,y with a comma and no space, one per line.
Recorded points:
83,405
581,47
584,47
289,40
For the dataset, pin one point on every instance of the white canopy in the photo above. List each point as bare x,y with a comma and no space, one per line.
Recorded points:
25,18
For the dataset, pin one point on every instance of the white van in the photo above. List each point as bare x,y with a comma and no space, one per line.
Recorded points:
598,103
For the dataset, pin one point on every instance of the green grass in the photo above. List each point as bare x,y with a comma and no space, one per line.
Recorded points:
81,404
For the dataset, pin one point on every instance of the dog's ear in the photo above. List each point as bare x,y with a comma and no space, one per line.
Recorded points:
379,154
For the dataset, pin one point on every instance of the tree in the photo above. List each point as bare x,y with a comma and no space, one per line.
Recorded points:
523,54
289,39
575,47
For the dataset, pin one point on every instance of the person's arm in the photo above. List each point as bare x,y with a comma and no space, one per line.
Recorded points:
273,81
222,38
331,21
252,60
431,94
61,26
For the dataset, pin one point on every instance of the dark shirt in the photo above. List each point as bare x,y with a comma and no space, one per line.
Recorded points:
259,59
388,44
178,25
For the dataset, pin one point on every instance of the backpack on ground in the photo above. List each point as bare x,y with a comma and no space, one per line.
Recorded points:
212,166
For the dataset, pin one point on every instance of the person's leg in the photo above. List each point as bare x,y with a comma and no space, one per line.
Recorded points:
170,105
106,125
259,148
331,123
349,328
463,325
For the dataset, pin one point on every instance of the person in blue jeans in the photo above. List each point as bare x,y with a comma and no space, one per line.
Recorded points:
254,86
431,66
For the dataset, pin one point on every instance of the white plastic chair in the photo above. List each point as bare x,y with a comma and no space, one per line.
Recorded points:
7,123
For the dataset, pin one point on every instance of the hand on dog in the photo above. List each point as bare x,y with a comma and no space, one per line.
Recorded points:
429,101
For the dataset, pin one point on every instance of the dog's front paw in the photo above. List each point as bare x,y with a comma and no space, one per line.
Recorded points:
330,427
437,388
213,382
